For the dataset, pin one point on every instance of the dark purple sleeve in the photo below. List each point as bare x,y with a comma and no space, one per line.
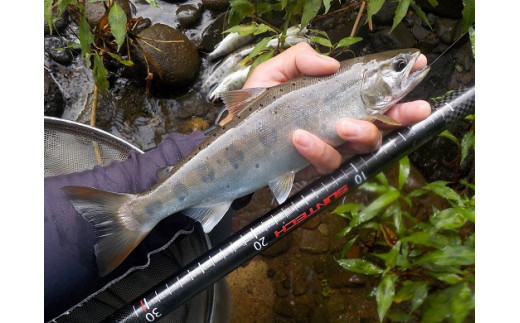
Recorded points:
70,266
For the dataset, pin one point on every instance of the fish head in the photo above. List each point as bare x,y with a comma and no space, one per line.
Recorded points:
388,77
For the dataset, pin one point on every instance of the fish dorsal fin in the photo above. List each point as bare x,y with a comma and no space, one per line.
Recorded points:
208,215
236,100
163,172
281,186
386,119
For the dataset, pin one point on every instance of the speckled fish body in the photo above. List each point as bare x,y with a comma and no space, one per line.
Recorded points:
252,151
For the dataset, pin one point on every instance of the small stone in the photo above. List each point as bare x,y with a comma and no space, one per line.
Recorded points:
216,5
300,288
188,15
313,242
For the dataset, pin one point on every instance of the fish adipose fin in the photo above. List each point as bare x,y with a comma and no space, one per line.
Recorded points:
281,186
114,239
208,215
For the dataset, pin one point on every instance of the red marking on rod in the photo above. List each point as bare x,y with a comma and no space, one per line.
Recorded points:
142,305
302,216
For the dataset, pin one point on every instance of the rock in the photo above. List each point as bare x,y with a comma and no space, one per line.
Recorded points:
300,288
447,29
216,5
283,307
419,32
96,10
174,66
212,34
279,247
312,223
53,101
444,8
188,15
58,25
400,37
56,48
385,15
314,242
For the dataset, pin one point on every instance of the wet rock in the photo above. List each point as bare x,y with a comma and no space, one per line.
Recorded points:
419,32
173,59
283,307
280,290
142,24
212,34
56,48
96,10
53,101
444,8
300,288
215,5
312,223
447,29
314,242
400,37
385,16
188,15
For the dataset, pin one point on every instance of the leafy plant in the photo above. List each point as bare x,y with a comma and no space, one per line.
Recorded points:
426,267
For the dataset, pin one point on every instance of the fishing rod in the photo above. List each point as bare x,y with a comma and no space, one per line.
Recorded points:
302,206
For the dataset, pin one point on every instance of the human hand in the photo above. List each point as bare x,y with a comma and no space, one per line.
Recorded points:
360,136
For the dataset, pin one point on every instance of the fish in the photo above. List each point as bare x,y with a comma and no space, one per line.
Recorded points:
251,151
233,81
231,42
232,62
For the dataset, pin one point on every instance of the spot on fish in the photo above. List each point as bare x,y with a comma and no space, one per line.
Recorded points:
257,166
180,190
268,138
234,156
154,207
206,173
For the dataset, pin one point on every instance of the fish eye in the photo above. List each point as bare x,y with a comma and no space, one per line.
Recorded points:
399,65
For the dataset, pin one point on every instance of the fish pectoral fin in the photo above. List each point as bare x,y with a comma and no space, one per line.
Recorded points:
281,186
163,172
208,215
386,119
236,101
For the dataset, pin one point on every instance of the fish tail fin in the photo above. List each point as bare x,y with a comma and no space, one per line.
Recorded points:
115,237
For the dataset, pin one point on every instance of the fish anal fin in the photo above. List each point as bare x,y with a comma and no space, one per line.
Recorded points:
237,100
281,187
114,237
386,119
208,215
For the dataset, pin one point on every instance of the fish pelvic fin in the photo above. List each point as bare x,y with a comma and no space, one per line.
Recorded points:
115,236
281,186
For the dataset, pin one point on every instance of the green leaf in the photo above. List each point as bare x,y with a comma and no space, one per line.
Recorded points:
398,220
390,257
440,188
471,31
382,178
85,36
118,58
153,3
448,135
448,278
400,317
385,295
348,208
347,246
100,73
260,59
404,171
433,3
468,142
239,10
310,10
452,304
447,219
450,256
258,48
347,41
251,28
468,15
377,205
326,4
420,13
374,188
400,12
47,13
417,291
322,41
117,21
427,238
360,266
373,7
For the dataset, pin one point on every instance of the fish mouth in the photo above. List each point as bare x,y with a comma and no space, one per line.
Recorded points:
413,78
